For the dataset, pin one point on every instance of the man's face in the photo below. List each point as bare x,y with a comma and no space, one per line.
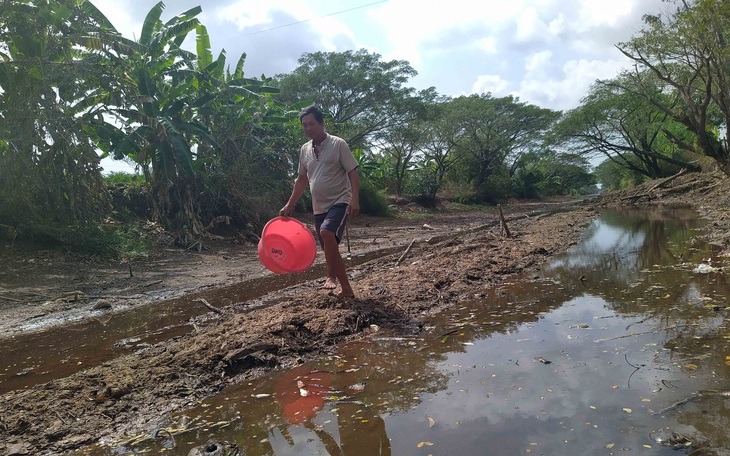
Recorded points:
311,127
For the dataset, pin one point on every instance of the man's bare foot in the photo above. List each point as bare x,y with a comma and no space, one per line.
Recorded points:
330,284
341,295
345,294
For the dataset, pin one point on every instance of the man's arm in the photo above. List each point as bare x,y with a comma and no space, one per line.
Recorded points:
355,184
300,186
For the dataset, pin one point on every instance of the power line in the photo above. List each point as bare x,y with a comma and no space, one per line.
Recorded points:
311,19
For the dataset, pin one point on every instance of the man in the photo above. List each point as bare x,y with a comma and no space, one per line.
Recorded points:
328,166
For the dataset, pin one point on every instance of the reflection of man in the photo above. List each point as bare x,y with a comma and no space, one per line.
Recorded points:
328,166
362,432
302,392
361,429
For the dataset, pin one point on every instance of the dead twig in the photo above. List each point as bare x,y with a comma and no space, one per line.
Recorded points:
694,397
209,306
10,299
636,369
655,186
60,417
402,257
666,180
645,332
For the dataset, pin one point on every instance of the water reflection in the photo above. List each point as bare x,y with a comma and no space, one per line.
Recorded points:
613,342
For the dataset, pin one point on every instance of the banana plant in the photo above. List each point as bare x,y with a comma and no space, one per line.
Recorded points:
159,130
54,75
179,107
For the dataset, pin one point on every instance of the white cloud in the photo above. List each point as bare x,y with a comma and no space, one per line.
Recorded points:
538,60
594,13
565,92
530,26
490,83
544,50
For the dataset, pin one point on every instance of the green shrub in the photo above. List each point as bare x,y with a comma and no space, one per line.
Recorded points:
121,177
121,243
423,188
372,201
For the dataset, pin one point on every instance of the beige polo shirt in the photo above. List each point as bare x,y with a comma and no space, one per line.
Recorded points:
328,177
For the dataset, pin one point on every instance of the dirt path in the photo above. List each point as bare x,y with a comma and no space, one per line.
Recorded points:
443,267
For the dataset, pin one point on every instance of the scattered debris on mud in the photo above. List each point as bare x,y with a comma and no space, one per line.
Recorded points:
457,257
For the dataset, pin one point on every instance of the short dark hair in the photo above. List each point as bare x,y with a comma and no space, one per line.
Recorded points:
312,109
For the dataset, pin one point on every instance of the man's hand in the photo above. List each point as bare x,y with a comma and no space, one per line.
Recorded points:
354,209
285,211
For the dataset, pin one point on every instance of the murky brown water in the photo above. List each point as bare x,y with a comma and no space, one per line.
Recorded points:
69,348
614,348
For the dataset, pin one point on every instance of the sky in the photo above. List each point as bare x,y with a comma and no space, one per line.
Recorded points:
546,52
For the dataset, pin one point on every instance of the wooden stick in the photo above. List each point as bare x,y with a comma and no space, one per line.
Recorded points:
406,252
347,236
503,221
207,304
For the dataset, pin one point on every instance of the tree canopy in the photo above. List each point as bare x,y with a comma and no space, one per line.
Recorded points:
210,142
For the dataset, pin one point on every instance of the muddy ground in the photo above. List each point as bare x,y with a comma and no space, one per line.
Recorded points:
456,256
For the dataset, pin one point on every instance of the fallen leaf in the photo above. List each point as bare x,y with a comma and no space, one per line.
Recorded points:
610,445
691,366
626,409
431,421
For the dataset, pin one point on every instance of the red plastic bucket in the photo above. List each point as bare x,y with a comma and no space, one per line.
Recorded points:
286,246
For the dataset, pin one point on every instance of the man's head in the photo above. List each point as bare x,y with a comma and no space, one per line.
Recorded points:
312,121
312,109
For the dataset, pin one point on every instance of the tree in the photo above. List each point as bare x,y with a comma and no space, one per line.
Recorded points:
687,52
491,133
613,176
54,73
404,140
356,91
440,140
613,123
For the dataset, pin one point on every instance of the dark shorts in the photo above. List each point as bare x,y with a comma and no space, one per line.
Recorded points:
333,220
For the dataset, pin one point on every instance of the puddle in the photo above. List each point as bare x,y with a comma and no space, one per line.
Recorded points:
615,347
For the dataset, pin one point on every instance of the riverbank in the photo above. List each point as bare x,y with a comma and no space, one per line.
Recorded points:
442,268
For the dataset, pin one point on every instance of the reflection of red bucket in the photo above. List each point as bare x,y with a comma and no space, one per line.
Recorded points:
286,246
301,402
